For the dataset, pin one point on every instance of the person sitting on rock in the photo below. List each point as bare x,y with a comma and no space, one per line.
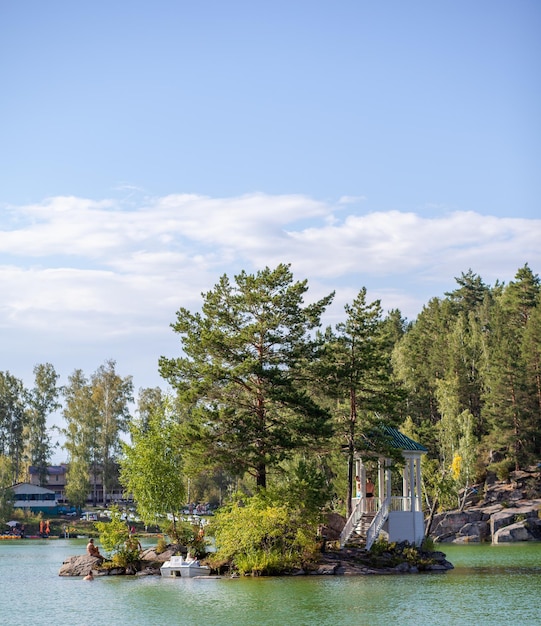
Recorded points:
92,550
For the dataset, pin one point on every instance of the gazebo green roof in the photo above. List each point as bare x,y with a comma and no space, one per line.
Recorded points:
400,441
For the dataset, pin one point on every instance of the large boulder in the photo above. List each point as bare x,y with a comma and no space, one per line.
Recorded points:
334,524
473,532
508,517
79,565
513,533
445,526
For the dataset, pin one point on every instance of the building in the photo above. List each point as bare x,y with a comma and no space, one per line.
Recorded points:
34,498
397,516
57,479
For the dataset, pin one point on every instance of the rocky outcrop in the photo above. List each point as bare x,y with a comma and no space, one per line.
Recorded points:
79,565
498,511
398,559
149,564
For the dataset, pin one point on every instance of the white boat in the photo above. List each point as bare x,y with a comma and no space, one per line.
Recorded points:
177,566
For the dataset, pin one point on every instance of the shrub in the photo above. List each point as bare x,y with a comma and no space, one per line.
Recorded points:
161,545
262,536
189,535
115,539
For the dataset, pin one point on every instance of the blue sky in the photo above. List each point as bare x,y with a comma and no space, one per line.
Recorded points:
149,147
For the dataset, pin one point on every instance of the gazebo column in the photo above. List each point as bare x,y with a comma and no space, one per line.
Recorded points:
412,483
381,482
406,489
418,498
388,478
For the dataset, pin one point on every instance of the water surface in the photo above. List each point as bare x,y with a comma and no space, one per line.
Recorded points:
489,585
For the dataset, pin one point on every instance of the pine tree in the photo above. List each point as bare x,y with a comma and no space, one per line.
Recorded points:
241,375
355,370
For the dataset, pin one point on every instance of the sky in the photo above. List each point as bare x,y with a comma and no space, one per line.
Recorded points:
147,148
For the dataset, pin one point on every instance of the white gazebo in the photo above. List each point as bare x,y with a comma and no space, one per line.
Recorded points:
395,517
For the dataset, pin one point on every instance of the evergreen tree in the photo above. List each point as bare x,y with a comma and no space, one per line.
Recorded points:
470,293
509,390
242,373
356,372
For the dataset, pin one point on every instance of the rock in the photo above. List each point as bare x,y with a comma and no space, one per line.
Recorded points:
79,565
475,531
149,571
512,533
507,517
503,504
150,554
447,525
334,524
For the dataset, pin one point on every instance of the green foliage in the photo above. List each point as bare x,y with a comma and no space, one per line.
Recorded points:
161,545
7,497
78,482
355,371
96,413
151,468
12,421
502,469
114,534
304,486
42,400
242,374
262,535
115,537
381,545
189,535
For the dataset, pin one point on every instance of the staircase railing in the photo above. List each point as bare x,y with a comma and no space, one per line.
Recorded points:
352,522
377,523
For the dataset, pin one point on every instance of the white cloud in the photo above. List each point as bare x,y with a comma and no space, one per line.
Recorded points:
78,270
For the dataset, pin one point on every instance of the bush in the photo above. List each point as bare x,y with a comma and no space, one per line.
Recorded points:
161,545
262,536
189,535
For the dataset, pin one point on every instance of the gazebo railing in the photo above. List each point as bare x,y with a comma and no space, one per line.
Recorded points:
352,522
377,523
404,504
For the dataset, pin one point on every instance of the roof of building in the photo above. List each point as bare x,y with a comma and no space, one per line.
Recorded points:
402,442
51,469
20,488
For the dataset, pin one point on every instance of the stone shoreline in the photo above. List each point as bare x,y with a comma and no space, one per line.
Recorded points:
346,562
496,511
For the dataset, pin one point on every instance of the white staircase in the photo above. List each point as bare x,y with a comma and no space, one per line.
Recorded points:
364,526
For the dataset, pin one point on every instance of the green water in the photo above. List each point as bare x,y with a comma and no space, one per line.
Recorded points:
489,585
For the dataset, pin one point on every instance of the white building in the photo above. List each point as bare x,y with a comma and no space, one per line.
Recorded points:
394,515
34,498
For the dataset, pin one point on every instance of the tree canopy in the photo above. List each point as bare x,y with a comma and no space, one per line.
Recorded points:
243,373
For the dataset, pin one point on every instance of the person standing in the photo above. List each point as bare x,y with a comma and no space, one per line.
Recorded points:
370,495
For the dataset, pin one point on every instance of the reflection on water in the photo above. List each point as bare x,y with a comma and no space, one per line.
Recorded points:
489,585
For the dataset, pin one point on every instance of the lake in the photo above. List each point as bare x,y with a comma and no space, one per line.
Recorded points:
489,585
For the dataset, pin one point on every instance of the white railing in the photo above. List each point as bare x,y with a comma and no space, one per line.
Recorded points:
352,522
377,523
404,504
